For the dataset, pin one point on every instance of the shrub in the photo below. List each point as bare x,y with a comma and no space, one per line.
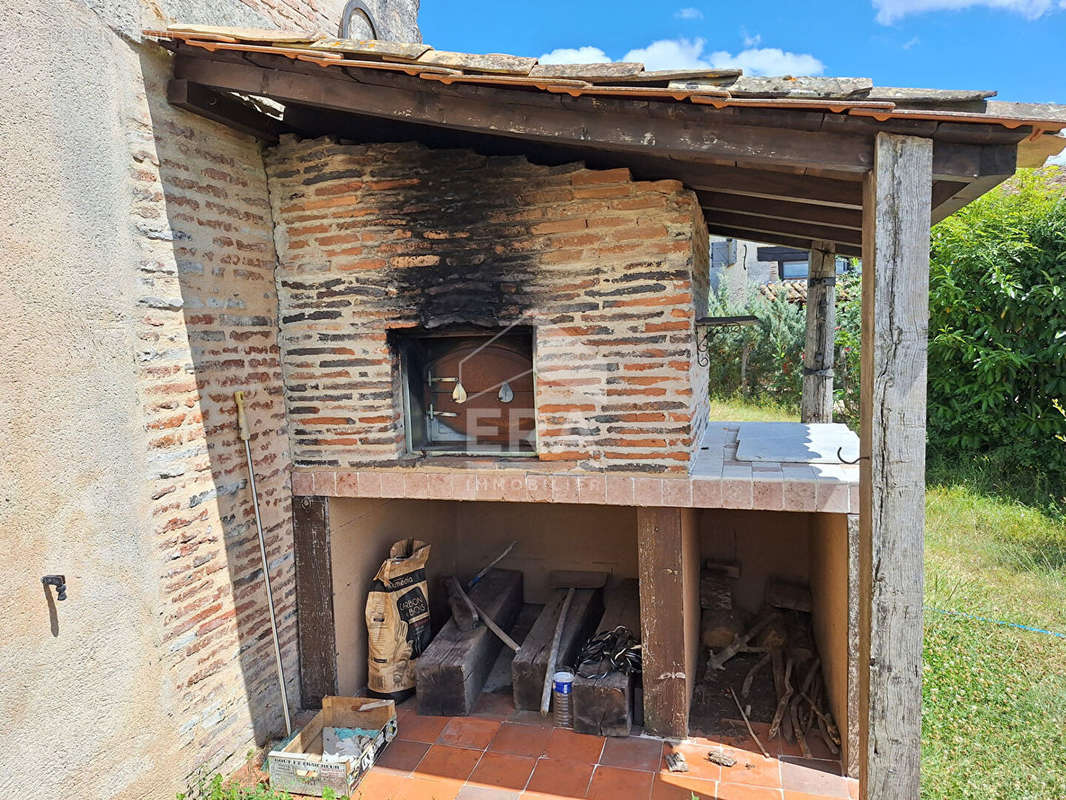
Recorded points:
775,350
773,367
997,333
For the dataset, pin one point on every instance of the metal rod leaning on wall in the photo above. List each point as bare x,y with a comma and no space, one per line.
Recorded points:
242,425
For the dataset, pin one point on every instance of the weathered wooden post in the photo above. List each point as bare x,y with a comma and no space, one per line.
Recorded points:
669,571
817,401
895,319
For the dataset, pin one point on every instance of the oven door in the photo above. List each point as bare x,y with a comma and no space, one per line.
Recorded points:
478,395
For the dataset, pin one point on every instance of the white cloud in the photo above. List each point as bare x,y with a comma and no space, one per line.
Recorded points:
889,11
688,13
756,40
768,61
575,55
907,45
689,54
670,54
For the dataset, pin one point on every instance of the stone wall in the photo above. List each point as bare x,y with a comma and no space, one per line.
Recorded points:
378,237
138,293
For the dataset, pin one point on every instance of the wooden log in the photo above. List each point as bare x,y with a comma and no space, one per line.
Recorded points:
604,706
895,320
314,599
817,401
452,670
530,663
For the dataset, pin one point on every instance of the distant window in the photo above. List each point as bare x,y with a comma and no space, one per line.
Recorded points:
799,269
793,269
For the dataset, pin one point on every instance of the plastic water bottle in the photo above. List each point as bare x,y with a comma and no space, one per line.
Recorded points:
562,691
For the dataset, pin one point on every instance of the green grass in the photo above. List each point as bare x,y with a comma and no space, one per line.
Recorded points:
734,410
994,697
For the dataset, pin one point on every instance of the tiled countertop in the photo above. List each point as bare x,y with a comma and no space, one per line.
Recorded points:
717,480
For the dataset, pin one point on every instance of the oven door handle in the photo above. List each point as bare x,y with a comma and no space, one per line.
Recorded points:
432,413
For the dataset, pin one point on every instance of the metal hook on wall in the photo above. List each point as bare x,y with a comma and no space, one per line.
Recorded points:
840,457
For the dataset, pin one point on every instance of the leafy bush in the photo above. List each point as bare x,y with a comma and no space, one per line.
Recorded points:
774,369
762,360
997,347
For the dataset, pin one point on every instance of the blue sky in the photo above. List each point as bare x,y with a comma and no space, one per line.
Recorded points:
1017,47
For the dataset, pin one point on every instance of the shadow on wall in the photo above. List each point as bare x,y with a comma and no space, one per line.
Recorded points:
209,328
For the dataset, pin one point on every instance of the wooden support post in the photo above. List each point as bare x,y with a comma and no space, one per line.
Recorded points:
669,568
817,403
314,599
895,319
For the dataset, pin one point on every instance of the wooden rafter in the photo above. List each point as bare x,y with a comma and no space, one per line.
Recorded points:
766,237
781,209
776,176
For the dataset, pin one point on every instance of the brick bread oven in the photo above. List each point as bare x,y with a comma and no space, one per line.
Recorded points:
608,273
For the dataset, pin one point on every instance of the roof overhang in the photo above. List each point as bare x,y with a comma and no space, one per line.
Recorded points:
779,170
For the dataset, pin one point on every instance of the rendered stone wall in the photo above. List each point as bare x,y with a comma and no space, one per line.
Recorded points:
138,294
378,237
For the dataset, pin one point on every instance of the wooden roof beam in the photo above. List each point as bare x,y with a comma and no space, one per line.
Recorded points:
713,202
630,132
804,230
769,237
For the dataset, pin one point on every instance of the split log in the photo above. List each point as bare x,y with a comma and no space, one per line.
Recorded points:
452,670
739,645
784,697
530,663
745,690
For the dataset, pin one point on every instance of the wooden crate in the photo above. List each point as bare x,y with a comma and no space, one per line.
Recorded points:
299,766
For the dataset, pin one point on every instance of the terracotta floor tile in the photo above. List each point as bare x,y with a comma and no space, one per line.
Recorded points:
443,761
553,777
469,732
494,706
752,769
671,786
614,783
696,758
737,791
571,746
415,728
402,756
781,747
381,784
532,718
736,735
503,770
632,753
521,740
819,749
432,789
471,792
813,777
803,796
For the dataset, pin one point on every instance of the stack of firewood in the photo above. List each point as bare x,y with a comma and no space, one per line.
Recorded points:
783,635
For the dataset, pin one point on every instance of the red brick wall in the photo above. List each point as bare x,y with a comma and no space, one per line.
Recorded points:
208,327
377,236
